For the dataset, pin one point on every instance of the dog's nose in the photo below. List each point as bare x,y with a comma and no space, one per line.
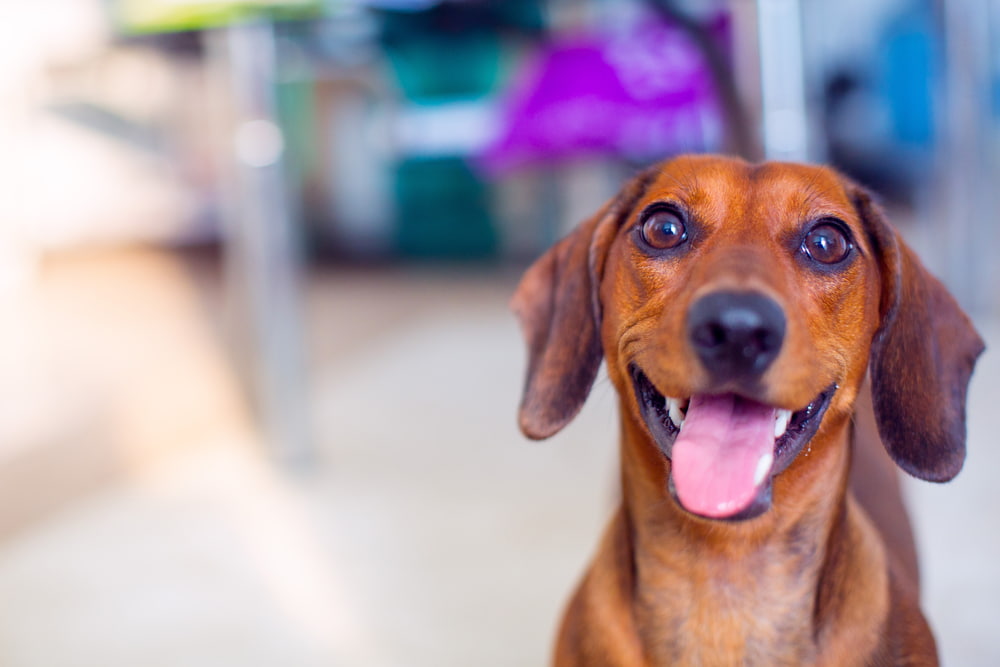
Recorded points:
736,334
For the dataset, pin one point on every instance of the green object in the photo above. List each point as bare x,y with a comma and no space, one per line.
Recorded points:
296,111
443,210
447,54
153,16
430,67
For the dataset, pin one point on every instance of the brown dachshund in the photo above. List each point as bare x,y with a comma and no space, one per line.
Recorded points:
765,330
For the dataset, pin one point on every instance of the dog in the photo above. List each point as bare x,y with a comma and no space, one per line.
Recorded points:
776,349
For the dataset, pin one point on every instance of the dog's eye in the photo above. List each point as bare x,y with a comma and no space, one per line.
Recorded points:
663,229
827,243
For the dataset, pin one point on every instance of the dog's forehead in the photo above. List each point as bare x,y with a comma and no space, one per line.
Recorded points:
721,188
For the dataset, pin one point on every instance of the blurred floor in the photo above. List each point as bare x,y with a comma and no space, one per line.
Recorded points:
143,524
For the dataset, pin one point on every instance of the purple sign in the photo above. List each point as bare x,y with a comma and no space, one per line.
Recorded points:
643,95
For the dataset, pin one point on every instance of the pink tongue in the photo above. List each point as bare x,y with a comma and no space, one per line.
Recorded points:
716,455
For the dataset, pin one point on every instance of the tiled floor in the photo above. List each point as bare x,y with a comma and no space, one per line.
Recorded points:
429,532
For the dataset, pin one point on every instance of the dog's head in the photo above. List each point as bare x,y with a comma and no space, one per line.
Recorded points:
739,308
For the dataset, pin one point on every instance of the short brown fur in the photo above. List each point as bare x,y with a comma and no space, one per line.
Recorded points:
828,575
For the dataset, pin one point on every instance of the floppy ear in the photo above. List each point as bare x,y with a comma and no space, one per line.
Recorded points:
921,359
559,310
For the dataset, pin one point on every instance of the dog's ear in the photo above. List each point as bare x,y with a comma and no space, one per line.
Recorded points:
559,310
921,359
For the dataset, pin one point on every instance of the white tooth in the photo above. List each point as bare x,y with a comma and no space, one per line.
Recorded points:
674,411
781,419
763,467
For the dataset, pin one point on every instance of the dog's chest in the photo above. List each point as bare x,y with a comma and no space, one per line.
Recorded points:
728,618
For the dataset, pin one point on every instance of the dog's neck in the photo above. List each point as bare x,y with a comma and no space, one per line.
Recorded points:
754,592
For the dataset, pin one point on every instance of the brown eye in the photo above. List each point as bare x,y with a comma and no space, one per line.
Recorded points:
827,243
663,229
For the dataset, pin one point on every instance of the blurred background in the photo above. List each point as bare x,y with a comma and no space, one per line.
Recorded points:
257,377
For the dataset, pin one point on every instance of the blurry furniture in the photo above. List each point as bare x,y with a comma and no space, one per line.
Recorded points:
261,242
262,251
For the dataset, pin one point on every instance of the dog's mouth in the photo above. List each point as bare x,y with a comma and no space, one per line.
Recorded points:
725,449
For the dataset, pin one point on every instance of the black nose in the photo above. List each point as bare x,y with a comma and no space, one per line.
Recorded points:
736,334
